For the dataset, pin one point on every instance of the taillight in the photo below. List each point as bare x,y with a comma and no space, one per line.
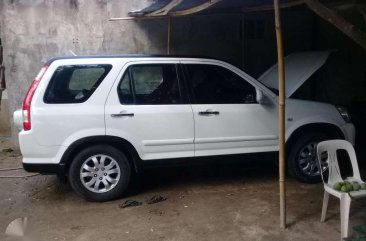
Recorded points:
28,99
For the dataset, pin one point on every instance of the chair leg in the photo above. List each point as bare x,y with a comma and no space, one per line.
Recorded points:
325,206
345,204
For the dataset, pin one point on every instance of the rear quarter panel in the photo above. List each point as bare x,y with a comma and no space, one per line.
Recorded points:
62,124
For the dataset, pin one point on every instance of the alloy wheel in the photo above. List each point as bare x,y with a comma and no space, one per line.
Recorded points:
100,173
308,161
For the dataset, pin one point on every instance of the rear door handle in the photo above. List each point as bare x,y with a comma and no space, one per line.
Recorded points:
123,114
208,112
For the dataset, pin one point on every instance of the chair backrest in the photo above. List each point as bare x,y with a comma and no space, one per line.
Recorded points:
331,147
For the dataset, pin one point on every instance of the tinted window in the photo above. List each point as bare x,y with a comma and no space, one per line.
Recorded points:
213,84
75,83
124,90
150,85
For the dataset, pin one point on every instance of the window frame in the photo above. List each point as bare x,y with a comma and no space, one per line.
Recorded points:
192,96
182,96
107,67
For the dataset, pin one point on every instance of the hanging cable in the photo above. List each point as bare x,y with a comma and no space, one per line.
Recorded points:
10,169
32,175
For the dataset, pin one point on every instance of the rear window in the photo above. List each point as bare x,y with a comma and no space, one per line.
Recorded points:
75,83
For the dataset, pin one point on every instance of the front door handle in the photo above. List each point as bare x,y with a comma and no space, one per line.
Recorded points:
209,112
123,115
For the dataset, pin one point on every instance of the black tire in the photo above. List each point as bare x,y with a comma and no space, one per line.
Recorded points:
294,165
111,153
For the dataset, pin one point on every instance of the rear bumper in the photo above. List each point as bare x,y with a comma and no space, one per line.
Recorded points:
47,169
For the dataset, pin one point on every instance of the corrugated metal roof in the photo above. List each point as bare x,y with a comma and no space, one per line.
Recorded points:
155,5
219,6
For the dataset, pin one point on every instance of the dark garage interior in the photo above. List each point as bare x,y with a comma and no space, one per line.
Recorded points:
209,200
247,40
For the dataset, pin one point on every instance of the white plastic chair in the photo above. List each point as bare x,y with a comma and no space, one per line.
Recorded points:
331,147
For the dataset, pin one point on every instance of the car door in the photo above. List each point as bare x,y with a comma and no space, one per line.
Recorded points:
147,108
228,119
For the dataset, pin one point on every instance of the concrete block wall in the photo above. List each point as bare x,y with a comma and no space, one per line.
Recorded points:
33,31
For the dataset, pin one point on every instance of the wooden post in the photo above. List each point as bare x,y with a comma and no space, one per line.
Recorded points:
169,35
281,114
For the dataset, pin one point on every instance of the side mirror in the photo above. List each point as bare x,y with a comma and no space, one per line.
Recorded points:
259,96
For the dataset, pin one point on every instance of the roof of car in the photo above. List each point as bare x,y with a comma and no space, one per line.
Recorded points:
128,56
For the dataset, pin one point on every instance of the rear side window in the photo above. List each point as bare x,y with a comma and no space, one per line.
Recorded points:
75,83
155,84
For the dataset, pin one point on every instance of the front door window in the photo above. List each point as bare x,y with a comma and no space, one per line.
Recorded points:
212,84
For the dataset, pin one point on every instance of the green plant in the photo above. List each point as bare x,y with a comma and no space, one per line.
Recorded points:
359,234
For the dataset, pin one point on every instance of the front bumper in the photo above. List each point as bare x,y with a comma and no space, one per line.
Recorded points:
349,132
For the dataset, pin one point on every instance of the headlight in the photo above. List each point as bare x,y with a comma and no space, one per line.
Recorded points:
344,113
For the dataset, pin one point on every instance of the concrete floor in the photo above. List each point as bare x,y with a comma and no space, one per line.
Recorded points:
235,202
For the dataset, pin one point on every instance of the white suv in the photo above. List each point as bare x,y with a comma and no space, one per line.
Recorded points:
97,119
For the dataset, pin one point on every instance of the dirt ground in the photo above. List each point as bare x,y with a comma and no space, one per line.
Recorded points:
225,202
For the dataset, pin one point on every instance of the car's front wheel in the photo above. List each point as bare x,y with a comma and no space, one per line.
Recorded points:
302,160
99,173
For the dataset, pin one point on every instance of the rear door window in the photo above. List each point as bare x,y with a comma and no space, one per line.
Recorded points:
155,84
75,83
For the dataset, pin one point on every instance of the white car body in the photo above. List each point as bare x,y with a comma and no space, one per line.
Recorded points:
170,131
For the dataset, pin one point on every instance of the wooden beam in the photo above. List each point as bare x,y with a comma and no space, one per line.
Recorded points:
270,7
167,16
281,113
181,13
341,3
165,10
195,9
138,18
338,21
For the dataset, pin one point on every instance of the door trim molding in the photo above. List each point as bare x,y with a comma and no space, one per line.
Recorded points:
167,142
236,139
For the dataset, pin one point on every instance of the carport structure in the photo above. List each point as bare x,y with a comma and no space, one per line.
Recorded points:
179,8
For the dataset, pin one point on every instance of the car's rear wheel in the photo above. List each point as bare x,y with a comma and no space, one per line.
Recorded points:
302,159
100,173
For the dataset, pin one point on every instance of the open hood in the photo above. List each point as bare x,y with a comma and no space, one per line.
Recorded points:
298,68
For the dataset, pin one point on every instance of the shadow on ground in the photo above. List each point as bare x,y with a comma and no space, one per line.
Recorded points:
206,172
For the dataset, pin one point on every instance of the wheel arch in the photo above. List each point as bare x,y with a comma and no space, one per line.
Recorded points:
117,142
330,129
